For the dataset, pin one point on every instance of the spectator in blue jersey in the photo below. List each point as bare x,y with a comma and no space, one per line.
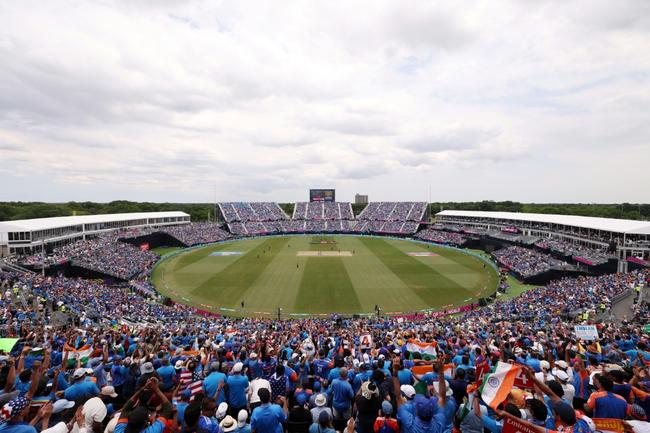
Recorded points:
242,425
118,375
604,403
181,405
167,375
341,394
82,389
322,366
323,424
214,383
269,417
237,387
208,423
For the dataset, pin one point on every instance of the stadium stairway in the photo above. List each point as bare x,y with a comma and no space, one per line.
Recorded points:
12,267
623,307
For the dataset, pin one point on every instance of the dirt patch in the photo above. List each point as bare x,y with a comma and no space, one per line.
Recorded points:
324,254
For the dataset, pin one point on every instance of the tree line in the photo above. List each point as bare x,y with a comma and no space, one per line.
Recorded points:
633,211
205,211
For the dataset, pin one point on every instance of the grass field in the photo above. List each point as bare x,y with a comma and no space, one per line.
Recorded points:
161,251
271,272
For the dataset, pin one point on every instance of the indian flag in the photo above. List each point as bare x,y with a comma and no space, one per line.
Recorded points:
498,384
83,353
420,370
426,350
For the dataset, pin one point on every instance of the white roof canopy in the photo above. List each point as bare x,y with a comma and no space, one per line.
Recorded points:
56,222
593,223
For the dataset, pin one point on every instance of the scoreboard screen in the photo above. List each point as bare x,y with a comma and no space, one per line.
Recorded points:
321,195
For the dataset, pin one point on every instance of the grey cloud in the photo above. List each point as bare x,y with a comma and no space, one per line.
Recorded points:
11,147
455,139
429,28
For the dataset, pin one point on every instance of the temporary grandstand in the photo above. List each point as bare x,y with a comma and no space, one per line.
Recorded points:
27,236
625,240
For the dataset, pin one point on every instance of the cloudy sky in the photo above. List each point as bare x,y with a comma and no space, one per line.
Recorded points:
166,100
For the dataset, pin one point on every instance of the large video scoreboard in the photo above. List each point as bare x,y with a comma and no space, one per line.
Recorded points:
321,195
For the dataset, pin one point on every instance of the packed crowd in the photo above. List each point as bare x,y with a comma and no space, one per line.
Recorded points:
441,237
566,297
578,232
252,211
526,262
76,247
597,256
252,219
118,259
394,211
134,365
95,301
323,210
197,233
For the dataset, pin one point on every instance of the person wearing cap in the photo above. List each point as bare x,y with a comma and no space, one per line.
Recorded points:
406,393
268,417
237,390
181,404
564,366
426,414
568,389
214,383
544,375
81,389
320,402
242,425
61,409
406,403
254,366
228,424
146,372
368,404
119,372
94,410
299,418
14,413
316,388
384,423
222,411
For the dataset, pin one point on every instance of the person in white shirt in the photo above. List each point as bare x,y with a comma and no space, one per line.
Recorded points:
256,385
569,389
544,375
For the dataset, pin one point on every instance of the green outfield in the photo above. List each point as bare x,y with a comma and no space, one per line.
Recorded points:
349,274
